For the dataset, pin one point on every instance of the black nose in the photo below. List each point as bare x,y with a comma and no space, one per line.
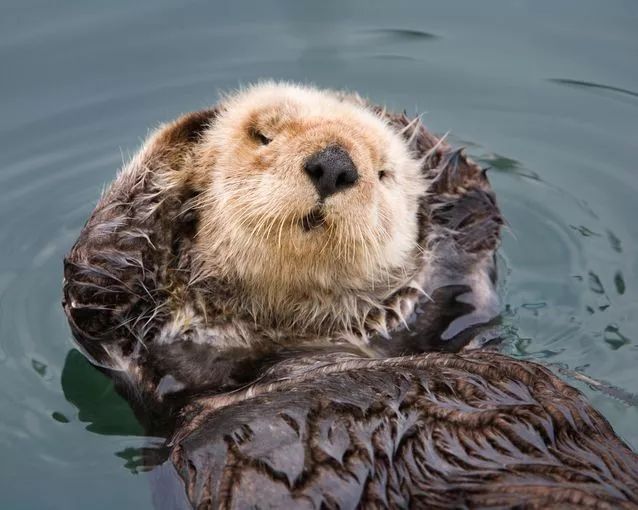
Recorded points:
331,170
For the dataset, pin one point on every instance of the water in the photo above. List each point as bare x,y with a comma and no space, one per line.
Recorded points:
545,92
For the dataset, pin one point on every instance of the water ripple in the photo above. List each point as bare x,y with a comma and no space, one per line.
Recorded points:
591,85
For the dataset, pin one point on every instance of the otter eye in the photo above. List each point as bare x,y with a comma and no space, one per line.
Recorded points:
382,174
260,137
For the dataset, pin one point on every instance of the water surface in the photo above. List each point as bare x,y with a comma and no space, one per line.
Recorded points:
544,92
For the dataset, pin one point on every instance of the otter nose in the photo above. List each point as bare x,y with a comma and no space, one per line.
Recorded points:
331,170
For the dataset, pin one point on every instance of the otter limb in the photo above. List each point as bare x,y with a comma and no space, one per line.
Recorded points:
432,431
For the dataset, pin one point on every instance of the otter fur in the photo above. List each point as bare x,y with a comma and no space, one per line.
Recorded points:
439,430
285,229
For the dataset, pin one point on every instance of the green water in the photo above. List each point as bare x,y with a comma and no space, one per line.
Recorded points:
545,92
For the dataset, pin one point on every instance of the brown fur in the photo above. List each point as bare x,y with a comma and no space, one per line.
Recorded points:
252,350
434,431
159,267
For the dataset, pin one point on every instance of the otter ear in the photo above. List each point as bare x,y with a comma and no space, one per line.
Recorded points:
174,142
188,128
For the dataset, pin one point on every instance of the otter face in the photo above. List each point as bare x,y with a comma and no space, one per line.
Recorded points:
305,187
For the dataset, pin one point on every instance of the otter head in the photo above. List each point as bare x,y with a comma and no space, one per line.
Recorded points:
307,197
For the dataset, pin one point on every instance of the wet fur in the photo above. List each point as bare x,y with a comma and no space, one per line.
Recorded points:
433,431
197,363
134,282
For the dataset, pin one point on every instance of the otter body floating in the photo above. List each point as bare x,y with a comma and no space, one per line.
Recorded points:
284,230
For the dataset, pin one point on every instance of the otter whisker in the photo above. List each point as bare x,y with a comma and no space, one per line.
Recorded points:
415,132
440,143
270,225
281,227
410,125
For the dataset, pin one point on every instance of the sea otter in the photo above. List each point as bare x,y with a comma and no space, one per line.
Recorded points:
285,246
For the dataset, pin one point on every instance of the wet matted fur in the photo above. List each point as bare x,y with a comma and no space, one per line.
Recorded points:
145,302
182,335
438,430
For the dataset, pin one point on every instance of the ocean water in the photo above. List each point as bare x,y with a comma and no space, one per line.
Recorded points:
544,92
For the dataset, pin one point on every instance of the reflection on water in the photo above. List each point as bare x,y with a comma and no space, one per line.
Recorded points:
92,394
542,94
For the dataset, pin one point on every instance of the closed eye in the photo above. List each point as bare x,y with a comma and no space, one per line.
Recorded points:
260,137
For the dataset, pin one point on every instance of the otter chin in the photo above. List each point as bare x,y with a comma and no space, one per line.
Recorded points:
308,202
